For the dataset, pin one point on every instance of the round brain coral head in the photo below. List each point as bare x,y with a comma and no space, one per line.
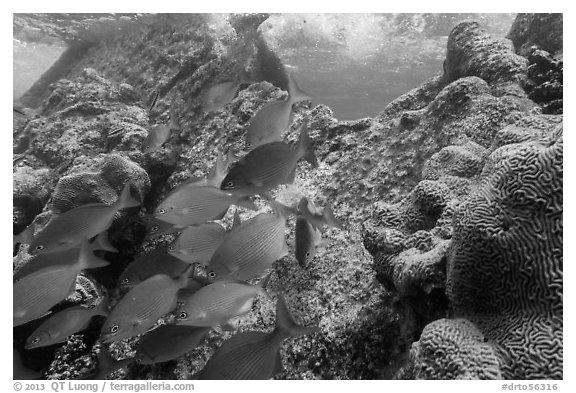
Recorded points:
505,265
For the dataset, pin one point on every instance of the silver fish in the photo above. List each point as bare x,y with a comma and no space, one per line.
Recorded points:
169,342
156,228
197,204
62,325
274,118
38,292
254,355
307,239
196,244
65,257
68,229
142,306
220,94
216,303
154,100
157,261
268,166
248,250
318,217
157,136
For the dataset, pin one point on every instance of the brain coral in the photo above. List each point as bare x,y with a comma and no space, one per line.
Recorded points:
505,264
453,349
98,180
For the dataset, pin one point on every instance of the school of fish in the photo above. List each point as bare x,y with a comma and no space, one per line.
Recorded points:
205,277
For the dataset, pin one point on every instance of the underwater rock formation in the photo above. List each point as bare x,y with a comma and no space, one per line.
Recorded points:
542,30
396,181
98,180
472,52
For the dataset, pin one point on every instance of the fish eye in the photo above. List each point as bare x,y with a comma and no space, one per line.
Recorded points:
212,274
39,247
230,184
307,255
126,281
161,211
154,228
36,340
114,329
183,315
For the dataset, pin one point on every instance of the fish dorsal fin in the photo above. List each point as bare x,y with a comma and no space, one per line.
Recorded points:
296,93
285,324
126,199
103,243
87,259
236,221
305,147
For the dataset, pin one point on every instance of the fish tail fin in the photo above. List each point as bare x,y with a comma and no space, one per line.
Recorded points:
87,259
283,210
285,323
296,93
236,221
126,199
218,171
186,276
102,307
247,203
102,242
330,219
305,147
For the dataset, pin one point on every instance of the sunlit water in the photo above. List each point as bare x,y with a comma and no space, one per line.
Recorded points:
354,63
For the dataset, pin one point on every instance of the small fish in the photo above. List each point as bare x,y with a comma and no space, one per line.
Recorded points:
169,342
214,178
142,306
197,243
216,303
157,136
115,131
62,325
154,101
274,118
197,204
157,261
69,228
65,257
220,94
318,217
156,227
255,355
251,248
18,158
268,166
38,292
307,239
